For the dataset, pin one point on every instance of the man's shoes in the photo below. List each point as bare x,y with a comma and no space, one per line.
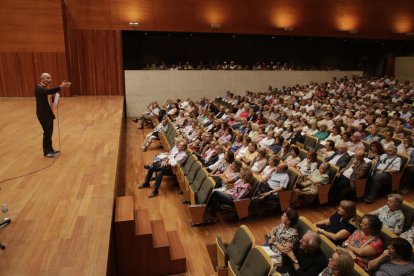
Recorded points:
56,151
50,155
369,199
146,167
144,185
153,194
135,120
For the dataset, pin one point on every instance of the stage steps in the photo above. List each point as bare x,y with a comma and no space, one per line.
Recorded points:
144,246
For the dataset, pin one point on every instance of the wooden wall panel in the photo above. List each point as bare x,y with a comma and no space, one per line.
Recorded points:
19,72
372,18
95,62
31,26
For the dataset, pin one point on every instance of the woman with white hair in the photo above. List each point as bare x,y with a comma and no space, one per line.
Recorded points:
391,215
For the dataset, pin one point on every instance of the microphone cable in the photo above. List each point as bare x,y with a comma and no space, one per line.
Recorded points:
48,165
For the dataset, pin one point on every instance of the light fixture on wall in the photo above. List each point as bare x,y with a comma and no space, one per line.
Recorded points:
215,26
133,24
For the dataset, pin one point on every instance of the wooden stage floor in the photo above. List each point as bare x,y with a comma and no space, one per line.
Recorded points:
61,215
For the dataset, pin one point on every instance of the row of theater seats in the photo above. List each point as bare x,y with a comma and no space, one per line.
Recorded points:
197,185
242,257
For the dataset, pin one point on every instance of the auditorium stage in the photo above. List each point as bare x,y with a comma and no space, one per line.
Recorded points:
61,215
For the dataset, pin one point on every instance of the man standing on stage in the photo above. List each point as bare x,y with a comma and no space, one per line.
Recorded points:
44,111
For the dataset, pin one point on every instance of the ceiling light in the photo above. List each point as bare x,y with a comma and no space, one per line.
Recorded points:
133,24
215,26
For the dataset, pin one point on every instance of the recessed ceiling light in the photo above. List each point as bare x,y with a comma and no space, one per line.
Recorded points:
215,26
133,23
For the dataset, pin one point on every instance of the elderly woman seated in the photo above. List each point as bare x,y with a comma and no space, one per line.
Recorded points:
229,193
340,264
308,187
391,215
229,176
340,225
396,260
259,162
365,244
282,236
309,164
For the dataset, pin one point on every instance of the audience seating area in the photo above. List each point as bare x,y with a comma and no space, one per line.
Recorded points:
256,114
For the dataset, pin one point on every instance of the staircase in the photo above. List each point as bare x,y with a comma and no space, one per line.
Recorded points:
144,247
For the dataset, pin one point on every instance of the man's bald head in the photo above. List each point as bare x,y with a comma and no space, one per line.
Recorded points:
45,79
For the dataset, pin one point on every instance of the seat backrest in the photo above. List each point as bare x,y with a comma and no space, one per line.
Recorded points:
189,163
194,170
205,190
303,154
404,161
327,247
257,263
408,210
293,177
255,185
198,180
386,236
303,226
332,173
310,142
240,245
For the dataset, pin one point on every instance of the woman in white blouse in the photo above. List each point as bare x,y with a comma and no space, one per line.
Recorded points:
309,164
259,162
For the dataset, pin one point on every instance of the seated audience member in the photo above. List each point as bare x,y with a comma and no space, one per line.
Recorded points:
399,132
267,141
180,120
375,150
346,138
260,135
282,237
226,137
237,144
335,135
288,133
153,111
341,156
293,158
309,164
391,215
312,130
217,155
340,264
362,129
259,162
328,150
229,176
365,244
409,235
250,154
277,182
340,225
239,190
387,141
163,166
356,143
277,146
220,166
308,187
270,168
322,134
243,149
406,147
408,176
387,163
396,260
153,135
373,136
306,258
355,169
409,124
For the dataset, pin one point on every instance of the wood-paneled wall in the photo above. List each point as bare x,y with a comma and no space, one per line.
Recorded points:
95,62
19,72
365,19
